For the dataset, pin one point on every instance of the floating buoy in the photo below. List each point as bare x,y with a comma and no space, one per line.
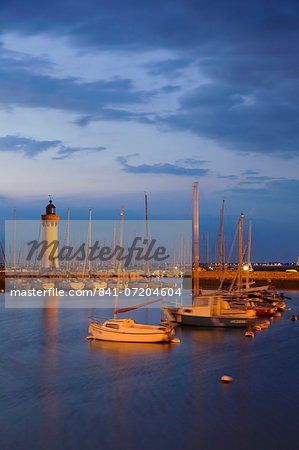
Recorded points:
265,322
257,328
226,379
90,336
288,309
175,340
2,290
293,318
249,334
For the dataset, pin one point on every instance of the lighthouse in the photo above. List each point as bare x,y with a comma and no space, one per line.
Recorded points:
50,222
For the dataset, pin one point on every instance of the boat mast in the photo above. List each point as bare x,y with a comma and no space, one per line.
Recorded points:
88,245
122,214
68,235
89,238
221,237
240,252
14,237
204,249
113,252
195,226
147,231
248,255
208,249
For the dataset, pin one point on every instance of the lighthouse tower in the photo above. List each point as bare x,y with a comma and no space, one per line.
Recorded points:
50,222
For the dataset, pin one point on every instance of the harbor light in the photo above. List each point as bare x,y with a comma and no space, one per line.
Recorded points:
50,222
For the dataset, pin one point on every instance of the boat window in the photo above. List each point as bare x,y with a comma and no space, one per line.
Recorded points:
187,310
202,302
112,325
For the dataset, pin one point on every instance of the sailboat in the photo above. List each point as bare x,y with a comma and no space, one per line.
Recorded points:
127,330
210,311
213,310
259,299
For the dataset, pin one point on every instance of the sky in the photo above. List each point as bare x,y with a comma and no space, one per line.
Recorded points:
101,101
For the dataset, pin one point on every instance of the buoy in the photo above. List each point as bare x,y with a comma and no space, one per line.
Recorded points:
2,290
265,322
257,328
226,379
249,334
293,318
288,309
175,340
90,336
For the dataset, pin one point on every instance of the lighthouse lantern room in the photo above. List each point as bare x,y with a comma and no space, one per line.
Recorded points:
50,222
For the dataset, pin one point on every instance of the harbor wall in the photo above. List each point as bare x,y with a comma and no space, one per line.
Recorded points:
210,279
277,279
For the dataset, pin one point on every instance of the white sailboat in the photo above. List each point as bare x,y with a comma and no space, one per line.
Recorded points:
43,283
210,311
72,283
127,330
93,283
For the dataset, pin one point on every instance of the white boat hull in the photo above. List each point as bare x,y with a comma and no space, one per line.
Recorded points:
133,333
239,321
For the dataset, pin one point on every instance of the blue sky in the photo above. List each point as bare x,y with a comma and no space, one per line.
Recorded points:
100,101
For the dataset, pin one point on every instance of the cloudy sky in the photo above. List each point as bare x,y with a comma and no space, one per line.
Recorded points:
102,100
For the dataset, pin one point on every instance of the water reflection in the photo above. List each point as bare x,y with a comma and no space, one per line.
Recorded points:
126,349
50,400
65,392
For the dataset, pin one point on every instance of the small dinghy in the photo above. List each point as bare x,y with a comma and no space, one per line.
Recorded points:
127,330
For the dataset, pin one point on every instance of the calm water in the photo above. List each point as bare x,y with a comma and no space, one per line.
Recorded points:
59,391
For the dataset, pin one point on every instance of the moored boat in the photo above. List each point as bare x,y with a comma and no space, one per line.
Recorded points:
210,311
43,283
95,284
127,330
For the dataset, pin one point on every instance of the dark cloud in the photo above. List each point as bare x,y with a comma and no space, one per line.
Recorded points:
161,168
169,89
191,161
264,121
31,147
284,193
252,177
228,177
247,51
114,114
12,60
170,68
65,152
262,178
28,146
183,24
249,172
22,85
